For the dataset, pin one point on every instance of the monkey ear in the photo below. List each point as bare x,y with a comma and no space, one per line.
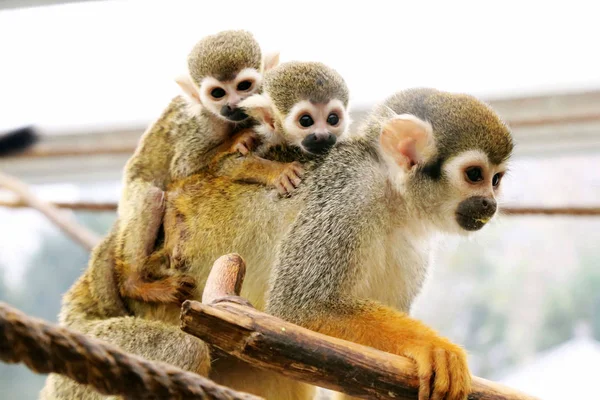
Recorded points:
189,89
270,61
407,139
260,107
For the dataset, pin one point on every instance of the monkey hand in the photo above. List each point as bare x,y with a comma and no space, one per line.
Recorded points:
289,177
169,287
174,289
441,366
244,142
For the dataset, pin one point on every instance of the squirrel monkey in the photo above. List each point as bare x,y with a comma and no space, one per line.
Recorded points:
223,69
347,255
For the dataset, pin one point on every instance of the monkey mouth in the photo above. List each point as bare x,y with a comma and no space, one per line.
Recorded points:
472,222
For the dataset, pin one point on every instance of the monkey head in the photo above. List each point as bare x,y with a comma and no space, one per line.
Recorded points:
224,69
303,104
447,154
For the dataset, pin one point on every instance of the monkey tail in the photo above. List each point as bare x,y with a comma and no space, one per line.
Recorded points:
17,141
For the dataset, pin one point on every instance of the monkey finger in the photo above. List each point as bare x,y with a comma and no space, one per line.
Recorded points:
295,179
441,383
423,358
287,184
460,378
280,188
248,142
242,148
299,172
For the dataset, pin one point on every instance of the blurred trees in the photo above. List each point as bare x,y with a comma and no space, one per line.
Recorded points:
50,273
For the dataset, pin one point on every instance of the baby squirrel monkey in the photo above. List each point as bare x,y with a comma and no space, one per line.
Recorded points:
303,105
223,69
348,254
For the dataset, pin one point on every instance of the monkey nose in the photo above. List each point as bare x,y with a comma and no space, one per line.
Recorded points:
233,113
487,204
319,143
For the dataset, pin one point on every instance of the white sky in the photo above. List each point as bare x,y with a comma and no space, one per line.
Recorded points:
114,62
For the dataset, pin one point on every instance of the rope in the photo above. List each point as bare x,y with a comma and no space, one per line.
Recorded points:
45,348
567,211
570,211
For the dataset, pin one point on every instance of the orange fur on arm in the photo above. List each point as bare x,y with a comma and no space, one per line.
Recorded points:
386,329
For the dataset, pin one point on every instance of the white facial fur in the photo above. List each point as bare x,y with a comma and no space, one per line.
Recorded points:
455,170
319,113
232,95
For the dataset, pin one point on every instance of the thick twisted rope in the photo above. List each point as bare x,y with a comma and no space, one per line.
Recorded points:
51,349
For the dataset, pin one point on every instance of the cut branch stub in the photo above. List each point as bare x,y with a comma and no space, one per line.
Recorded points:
225,281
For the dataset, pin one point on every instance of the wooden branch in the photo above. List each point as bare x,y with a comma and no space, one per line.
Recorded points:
68,225
509,211
298,353
78,206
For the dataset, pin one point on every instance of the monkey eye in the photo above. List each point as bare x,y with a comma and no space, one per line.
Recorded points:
496,179
474,174
333,119
244,85
217,93
306,121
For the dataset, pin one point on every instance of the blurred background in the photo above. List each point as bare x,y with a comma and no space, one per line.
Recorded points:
523,296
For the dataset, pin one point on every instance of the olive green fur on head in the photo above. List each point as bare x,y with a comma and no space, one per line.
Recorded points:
291,82
460,122
223,55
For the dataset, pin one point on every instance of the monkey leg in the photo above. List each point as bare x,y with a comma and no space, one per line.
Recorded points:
139,227
153,340
231,372
145,275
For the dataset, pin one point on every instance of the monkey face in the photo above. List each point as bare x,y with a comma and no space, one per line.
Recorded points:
221,97
461,192
316,127
445,155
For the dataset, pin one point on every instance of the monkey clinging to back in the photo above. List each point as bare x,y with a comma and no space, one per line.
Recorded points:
223,69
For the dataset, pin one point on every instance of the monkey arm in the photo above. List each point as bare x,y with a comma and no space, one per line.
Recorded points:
285,177
367,322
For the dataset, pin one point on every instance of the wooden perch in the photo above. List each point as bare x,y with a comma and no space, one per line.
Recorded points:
68,225
231,324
